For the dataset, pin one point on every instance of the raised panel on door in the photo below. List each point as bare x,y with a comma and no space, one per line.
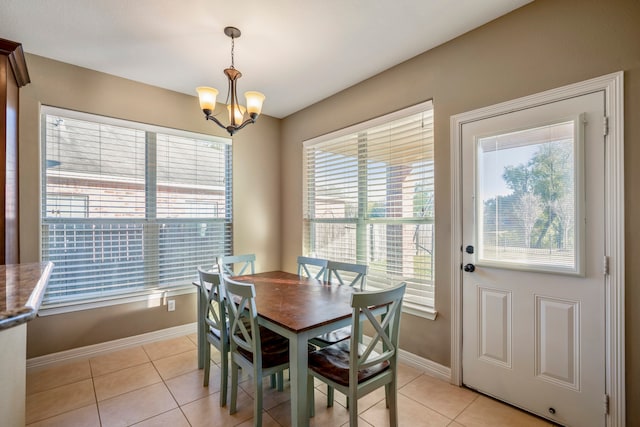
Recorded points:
557,341
494,309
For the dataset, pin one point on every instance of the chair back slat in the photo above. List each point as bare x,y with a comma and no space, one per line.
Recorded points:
306,264
386,329
247,264
243,316
358,271
216,312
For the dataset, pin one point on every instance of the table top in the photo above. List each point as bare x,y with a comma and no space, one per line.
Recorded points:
22,288
298,303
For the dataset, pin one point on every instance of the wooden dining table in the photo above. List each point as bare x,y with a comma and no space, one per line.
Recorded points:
299,309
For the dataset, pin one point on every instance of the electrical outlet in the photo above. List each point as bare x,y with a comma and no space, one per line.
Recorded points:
171,305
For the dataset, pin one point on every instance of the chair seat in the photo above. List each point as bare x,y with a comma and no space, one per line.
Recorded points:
333,336
275,349
333,362
215,332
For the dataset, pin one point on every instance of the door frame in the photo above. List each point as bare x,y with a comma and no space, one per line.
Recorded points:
613,130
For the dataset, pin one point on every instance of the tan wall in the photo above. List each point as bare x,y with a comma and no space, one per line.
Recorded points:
546,44
256,190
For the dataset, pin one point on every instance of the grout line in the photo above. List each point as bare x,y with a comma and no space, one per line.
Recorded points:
164,382
95,394
466,407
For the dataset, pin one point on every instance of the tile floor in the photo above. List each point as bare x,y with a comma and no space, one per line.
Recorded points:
159,384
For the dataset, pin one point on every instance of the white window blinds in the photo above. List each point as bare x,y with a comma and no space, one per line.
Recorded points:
128,207
368,199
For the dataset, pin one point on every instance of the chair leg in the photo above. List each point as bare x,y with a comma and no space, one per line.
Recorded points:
234,388
280,380
274,381
386,394
207,364
329,396
257,400
224,376
392,403
353,412
310,397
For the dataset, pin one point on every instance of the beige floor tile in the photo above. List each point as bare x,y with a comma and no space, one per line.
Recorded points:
125,380
130,390
270,396
117,360
410,414
485,411
364,403
162,349
173,418
82,417
188,387
406,374
267,421
361,423
136,406
45,379
208,412
172,366
59,400
193,338
329,417
445,398
215,355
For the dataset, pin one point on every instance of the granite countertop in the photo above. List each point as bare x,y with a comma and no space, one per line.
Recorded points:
22,287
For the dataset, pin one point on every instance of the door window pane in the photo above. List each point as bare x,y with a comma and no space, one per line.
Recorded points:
526,198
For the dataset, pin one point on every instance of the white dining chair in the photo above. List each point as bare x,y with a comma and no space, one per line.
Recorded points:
246,264
215,320
256,349
356,369
341,273
354,275
315,268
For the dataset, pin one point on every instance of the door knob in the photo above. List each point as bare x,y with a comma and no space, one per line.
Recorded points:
469,268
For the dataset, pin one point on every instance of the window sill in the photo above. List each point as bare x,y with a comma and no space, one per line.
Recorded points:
419,310
153,297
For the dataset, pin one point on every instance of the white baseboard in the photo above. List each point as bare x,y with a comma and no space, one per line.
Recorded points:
94,350
425,365
82,353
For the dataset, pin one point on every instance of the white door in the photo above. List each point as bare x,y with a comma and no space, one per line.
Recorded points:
534,286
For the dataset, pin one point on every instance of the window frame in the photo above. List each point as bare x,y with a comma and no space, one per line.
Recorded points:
153,295
361,221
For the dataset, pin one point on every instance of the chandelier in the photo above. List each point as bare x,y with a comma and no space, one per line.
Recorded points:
207,96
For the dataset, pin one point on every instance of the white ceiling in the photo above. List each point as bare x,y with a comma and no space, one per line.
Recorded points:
297,52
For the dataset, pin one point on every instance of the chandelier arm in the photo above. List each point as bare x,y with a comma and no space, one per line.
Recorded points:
216,121
246,122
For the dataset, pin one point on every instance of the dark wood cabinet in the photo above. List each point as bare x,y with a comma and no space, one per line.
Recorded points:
13,75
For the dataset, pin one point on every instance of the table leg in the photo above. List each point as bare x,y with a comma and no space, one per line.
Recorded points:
298,366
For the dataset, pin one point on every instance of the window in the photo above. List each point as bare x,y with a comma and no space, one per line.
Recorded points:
129,208
526,186
368,198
